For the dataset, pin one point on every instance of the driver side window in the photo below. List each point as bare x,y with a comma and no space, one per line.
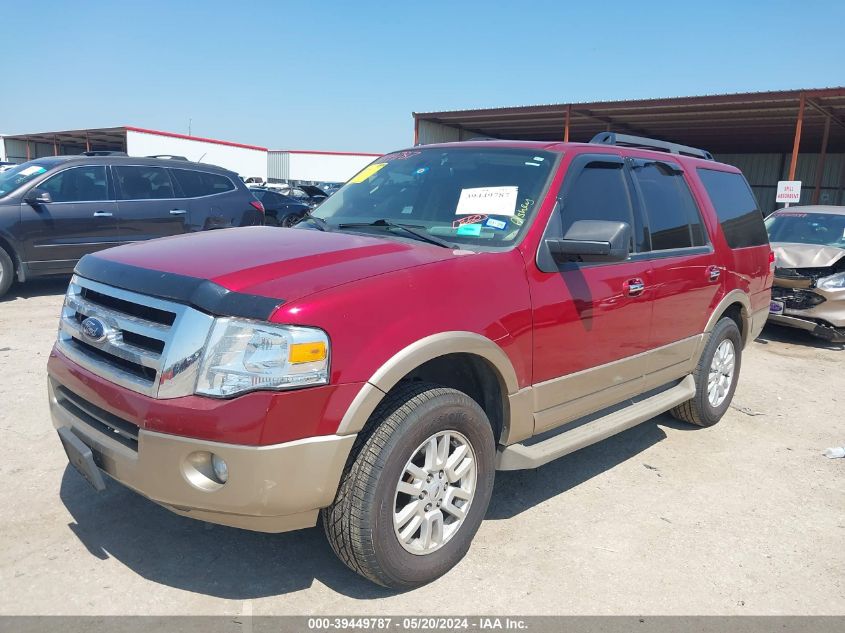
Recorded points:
599,191
78,184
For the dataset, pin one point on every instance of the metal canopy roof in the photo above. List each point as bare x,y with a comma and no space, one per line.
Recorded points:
728,123
98,138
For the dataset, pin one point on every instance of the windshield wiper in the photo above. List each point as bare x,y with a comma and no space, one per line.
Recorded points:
408,228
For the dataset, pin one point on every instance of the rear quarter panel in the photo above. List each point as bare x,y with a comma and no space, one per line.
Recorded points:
745,269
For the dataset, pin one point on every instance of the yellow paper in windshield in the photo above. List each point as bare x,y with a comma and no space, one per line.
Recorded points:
368,171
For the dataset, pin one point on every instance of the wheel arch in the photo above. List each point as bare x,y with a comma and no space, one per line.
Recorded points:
463,360
12,252
737,306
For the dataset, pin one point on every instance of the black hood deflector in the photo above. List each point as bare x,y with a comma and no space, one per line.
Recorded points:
202,294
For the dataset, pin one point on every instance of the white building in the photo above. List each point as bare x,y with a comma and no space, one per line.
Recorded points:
313,166
249,161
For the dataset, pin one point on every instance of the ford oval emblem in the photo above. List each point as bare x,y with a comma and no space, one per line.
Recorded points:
94,330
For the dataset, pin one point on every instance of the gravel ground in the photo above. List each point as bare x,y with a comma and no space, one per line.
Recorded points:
746,517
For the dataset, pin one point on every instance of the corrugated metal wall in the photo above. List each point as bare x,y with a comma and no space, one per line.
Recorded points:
431,132
763,172
278,166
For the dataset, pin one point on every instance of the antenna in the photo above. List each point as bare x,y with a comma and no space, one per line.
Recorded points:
201,157
189,126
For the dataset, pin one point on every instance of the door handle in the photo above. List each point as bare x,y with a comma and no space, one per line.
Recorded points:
633,287
103,214
178,212
713,273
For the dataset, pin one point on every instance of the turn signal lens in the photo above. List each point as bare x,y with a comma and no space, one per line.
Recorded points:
307,352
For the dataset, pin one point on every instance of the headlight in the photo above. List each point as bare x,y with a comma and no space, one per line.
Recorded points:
244,356
834,282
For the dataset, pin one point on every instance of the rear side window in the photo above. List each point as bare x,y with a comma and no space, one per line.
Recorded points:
195,184
736,208
673,217
143,183
78,184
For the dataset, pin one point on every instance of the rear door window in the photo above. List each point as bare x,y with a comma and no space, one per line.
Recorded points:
78,184
143,183
736,208
674,220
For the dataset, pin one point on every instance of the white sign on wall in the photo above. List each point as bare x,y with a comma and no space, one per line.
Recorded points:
789,191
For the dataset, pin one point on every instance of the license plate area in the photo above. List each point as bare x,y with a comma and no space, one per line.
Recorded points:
81,457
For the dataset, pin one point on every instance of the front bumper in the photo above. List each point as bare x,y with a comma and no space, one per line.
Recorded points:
272,488
826,319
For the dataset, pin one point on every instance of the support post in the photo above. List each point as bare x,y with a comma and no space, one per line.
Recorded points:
566,123
28,152
416,131
87,143
820,162
797,142
55,146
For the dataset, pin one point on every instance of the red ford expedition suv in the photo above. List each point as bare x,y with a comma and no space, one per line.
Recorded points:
454,309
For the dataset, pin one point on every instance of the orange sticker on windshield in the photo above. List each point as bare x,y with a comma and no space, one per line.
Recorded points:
368,171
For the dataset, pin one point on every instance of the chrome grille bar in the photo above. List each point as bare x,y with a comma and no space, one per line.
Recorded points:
151,358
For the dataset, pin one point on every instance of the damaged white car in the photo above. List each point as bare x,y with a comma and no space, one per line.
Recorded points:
809,286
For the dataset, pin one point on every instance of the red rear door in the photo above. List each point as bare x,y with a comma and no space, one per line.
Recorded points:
687,278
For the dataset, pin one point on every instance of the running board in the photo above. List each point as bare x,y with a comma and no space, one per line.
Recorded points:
520,456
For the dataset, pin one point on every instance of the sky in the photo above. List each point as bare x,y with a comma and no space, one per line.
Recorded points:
346,76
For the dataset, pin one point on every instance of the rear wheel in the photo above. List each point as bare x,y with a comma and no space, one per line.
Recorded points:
290,219
410,503
7,272
715,376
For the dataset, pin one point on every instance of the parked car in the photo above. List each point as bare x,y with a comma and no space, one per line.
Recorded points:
306,194
279,210
55,210
330,187
453,310
5,166
809,285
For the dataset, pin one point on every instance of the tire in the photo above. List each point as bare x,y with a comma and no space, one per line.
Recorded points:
360,524
290,220
700,410
270,220
7,272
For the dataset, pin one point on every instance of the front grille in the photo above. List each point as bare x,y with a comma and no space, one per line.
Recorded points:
149,345
99,419
795,299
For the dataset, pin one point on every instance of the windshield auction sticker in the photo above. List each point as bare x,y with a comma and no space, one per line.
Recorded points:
488,201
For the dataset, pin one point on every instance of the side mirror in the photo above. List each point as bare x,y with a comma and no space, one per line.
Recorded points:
592,241
38,196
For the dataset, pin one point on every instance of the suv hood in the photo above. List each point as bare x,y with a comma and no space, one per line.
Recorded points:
795,255
282,264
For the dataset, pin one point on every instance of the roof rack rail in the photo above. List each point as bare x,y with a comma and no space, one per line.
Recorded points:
612,138
103,152
168,156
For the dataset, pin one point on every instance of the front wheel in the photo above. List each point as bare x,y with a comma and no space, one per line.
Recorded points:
7,272
411,502
715,376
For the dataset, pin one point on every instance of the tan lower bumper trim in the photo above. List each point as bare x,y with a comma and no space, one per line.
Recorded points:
270,488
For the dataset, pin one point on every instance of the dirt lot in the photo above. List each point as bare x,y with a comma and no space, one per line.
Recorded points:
746,517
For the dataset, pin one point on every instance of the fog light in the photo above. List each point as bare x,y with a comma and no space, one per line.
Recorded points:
221,469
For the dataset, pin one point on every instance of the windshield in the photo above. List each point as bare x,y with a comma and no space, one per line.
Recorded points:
470,195
824,229
18,176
